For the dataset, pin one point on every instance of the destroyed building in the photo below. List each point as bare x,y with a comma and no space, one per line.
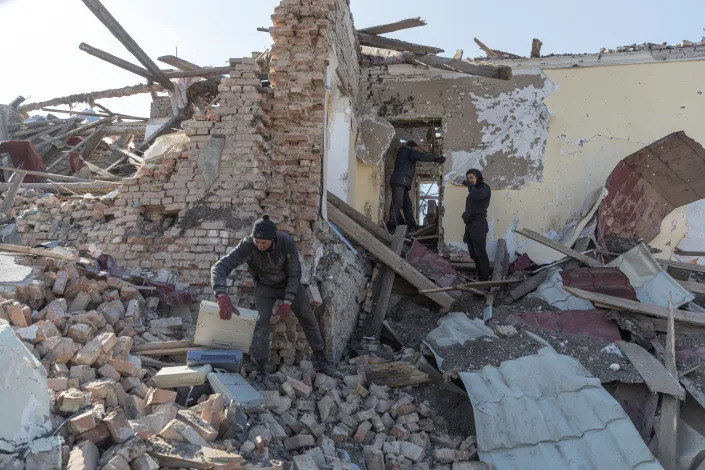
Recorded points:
596,165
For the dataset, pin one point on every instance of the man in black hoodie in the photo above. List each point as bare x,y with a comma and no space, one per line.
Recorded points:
273,262
475,218
401,181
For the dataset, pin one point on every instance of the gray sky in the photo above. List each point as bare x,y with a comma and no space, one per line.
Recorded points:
41,59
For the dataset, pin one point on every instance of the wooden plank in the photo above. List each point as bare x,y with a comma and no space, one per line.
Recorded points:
43,252
387,256
487,50
374,324
698,268
396,26
88,113
52,175
657,378
93,142
395,374
634,306
379,233
395,44
66,187
179,63
501,72
501,265
476,285
92,125
670,405
119,32
92,96
536,48
9,197
692,286
126,153
528,286
204,72
593,263
117,61
161,345
164,129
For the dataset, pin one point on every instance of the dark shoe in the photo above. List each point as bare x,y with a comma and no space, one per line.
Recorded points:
323,366
263,377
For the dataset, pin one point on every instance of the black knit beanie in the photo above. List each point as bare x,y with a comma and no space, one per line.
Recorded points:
264,229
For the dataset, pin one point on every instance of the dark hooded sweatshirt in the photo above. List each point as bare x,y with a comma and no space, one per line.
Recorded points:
476,204
278,267
405,165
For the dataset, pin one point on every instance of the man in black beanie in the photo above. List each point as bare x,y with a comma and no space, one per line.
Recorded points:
273,262
475,218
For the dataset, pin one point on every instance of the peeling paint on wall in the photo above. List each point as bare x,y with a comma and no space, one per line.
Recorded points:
514,127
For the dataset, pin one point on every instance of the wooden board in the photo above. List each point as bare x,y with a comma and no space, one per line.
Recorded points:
657,378
374,325
593,263
395,44
634,306
388,257
698,268
380,233
391,27
670,405
501,72
692,286
528,286
395,374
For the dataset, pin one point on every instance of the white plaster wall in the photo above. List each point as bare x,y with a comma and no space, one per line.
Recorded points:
599,115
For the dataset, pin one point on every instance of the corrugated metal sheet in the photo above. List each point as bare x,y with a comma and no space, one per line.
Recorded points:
651,283
551,290
592,323
648,184
608,281
545,411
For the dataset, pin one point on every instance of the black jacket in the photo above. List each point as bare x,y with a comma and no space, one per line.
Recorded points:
405,165
475,215
278,267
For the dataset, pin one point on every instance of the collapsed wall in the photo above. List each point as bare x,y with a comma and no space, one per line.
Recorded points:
259,151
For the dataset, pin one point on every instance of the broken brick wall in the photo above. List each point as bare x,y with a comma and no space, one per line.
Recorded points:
160,108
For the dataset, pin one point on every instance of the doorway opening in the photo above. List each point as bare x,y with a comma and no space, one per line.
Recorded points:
426,193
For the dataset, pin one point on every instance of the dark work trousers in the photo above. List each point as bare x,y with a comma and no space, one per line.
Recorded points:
476,238
265,297
401,201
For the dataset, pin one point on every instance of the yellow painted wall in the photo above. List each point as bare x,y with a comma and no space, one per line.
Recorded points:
368,180
599,116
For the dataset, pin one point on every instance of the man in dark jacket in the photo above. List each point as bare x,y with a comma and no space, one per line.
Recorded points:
273,262
401,181
475,218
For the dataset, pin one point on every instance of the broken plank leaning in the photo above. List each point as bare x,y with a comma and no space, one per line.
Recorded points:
117,61
119,32
670,405
391,27
9,197
387,256
593,263
477,285
529,285
501,72
163,129
92,96
501,264
379,233
634,306
374,324
179,63
698,268
395,44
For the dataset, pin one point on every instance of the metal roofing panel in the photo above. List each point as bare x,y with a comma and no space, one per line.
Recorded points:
592,323
651,283
546,411
551,290
608,281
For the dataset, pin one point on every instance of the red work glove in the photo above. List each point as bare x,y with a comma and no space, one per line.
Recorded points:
281,313
226,307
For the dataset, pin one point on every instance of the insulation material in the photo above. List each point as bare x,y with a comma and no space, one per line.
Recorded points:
541,254
551,290
546,411
651,283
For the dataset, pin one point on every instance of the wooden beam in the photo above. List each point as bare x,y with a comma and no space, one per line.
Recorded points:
475,285
395,44
93,141
698,268
119,32
536,48
593,263
528,286
501,265
16,102
92,96
66,187
74,179
379,233
391,27
9,198
204,72
92,125
487,50
374,324
670,405
634,306
88,113
166,127
501,72
126,128
387,256
25,250
179,63
66,153
126,153
694,287
395,374
117,61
